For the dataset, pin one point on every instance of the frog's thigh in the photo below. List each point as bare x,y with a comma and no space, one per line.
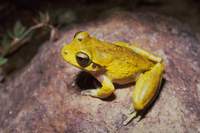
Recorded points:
105,91
146,87
140,51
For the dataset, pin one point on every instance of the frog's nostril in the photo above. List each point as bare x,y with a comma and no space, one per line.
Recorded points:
65,52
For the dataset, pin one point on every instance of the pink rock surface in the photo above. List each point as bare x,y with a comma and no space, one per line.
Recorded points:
43,97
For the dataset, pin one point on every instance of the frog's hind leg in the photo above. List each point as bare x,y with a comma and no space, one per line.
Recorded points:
146,89
103,92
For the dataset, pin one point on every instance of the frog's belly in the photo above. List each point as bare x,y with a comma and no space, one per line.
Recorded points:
126,80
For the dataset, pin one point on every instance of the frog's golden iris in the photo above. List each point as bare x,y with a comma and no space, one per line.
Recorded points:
116,62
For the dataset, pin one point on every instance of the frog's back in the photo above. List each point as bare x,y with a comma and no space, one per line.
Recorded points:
125,62
128,57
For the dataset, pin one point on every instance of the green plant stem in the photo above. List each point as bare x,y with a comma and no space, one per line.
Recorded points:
18,42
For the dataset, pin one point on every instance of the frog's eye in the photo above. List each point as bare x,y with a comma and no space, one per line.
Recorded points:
83,59
81,35
77,33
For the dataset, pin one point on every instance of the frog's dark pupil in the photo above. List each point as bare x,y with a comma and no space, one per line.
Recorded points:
83,59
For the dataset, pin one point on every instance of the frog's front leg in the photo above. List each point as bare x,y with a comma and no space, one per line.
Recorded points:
146,89
103,92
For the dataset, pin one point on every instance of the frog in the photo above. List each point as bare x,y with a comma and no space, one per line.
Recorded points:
117,62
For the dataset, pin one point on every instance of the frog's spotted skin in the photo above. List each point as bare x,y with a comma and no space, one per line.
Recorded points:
116,62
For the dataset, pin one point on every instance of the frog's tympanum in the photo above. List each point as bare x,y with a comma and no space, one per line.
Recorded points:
119,63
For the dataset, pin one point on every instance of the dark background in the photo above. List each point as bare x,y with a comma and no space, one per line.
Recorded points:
64,13
186,11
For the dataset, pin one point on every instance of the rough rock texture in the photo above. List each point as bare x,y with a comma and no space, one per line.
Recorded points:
43,97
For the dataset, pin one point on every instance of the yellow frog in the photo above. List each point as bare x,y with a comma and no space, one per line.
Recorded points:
116,62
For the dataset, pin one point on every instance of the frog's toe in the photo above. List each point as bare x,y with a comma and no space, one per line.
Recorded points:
131,110
85,92
131,117
89,92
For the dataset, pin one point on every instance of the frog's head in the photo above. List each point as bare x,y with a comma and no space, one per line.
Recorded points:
79,52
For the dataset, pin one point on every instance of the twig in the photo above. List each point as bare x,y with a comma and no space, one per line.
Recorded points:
18,42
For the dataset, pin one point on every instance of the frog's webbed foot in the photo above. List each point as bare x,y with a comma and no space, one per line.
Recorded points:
132,116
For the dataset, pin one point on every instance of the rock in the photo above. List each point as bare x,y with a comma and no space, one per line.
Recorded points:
42,97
